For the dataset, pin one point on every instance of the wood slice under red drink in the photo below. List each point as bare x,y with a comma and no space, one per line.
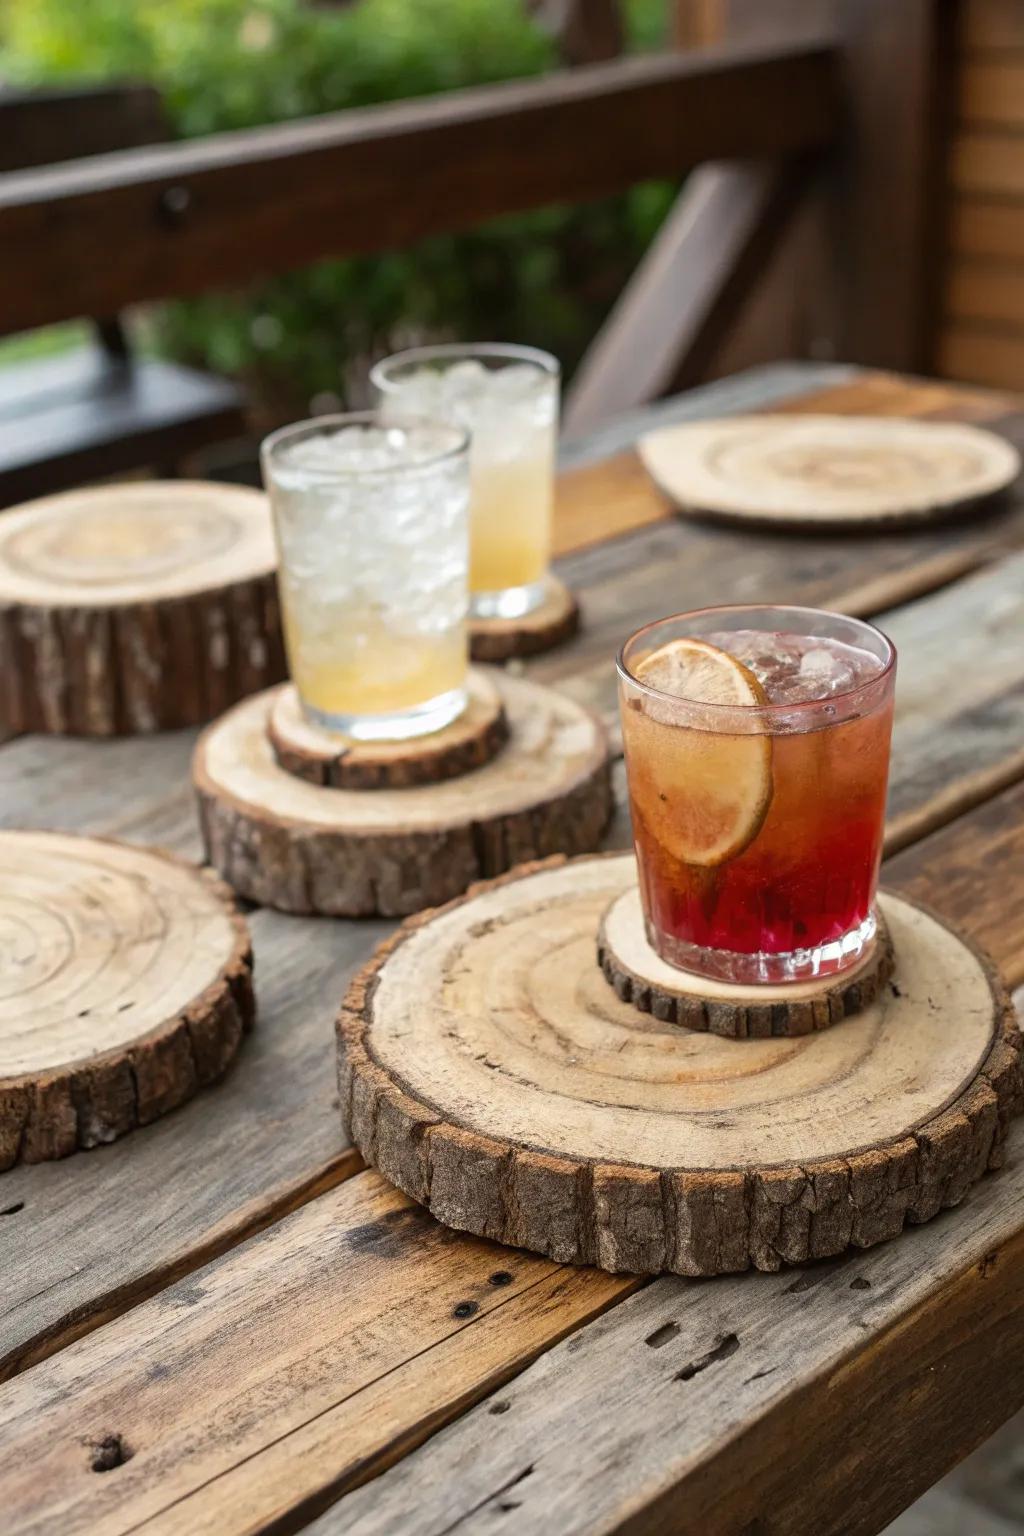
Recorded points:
488,1070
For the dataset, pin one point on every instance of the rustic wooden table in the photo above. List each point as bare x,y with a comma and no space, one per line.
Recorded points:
225,1324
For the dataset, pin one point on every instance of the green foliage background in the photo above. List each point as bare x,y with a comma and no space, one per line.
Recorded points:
546,277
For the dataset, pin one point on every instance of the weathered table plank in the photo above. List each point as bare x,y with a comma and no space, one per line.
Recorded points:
92,1234
742,1405
265,1380
162,1202
325,1345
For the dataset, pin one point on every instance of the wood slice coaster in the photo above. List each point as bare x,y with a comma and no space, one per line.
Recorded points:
827,471
125,985
640,976
551,623
304,848
138,607
313,754
488,1070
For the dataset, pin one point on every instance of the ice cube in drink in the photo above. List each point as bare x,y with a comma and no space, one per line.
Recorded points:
757,787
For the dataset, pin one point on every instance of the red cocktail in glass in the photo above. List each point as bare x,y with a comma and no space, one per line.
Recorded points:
757,753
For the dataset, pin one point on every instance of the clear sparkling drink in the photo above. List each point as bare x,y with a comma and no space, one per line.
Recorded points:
371,523
507,398
757,752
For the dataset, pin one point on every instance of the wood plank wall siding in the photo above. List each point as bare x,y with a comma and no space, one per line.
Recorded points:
981,331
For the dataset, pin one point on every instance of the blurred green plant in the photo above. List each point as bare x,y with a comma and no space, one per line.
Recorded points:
547,277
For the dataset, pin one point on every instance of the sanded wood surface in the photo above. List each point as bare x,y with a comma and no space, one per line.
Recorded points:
485,1068
127,988
551,623
304,848
321,757
638,975
135,607
155,1205
807,469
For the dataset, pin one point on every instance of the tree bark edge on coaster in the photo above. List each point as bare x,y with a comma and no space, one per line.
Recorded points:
689,1154
676,997
300,847
126,609
331,761
552,623
81,1076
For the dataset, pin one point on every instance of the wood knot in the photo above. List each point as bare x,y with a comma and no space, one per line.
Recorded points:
110,1452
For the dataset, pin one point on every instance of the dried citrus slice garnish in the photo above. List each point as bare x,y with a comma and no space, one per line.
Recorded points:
703,787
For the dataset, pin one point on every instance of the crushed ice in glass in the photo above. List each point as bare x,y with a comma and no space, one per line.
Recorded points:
502,404
797,669
362,449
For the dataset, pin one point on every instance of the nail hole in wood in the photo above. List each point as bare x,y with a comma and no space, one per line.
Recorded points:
502,1407
110,1452
465,1309
860,1284
500,1277
12,1210
726,1346
661,1335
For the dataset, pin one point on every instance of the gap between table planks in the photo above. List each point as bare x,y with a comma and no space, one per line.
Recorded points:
157,1205
250,1394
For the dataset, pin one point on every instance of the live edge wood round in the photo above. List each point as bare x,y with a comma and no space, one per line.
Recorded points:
304,848
125,985
640,976
138,607
551,623
807,471
487,1069
317,756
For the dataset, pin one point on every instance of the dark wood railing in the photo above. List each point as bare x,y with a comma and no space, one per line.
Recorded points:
758,116
92,236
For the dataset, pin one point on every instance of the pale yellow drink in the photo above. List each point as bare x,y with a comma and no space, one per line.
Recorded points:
372,531
510,517
507,398
351,665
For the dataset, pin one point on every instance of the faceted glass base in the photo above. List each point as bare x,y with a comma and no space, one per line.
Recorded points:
434,715
510,603
795,965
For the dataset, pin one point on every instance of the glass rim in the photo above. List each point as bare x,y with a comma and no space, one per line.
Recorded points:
339,419
512,351
757,711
